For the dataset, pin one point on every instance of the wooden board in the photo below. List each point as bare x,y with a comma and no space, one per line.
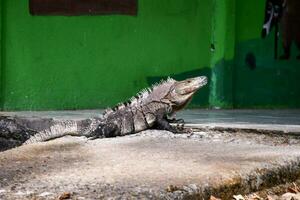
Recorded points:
82,7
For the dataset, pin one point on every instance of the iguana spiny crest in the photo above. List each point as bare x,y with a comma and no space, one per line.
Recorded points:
175,93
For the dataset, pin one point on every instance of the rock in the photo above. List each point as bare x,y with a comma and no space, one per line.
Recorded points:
65,195
238,197
213,198
171,188
290,196
272,197
45,194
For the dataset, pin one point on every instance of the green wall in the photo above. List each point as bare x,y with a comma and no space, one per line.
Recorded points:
57,62
234,83
1,50
87,62
271,83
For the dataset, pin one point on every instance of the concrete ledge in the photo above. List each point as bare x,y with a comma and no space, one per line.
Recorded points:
214,160
152,164
260,121
259,129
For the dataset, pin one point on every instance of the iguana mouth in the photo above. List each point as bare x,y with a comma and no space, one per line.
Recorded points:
202,81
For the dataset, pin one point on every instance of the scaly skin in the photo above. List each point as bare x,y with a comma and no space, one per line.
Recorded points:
150,109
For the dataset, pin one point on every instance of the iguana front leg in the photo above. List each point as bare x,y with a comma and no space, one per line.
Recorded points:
163,123
179,123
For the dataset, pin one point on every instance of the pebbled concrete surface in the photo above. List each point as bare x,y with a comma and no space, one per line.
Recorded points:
152,164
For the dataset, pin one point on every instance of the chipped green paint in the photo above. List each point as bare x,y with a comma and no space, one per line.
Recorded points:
222,50
2,52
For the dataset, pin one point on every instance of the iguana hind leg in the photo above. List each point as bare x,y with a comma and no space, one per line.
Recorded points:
105,130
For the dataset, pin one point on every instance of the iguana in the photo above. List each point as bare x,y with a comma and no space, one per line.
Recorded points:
148,109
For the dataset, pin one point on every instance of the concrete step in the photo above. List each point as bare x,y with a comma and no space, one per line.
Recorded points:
149,165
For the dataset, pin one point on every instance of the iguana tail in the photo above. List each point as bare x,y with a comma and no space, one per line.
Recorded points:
67,127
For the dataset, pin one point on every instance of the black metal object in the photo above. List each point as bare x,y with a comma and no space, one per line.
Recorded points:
273,14
276,41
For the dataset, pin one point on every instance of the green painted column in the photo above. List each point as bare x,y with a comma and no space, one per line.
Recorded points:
1,50
222,50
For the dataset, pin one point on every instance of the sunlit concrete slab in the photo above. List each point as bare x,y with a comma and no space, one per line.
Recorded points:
152,164
155,164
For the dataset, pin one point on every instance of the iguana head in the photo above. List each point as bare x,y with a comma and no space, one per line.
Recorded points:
182,91
170,91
